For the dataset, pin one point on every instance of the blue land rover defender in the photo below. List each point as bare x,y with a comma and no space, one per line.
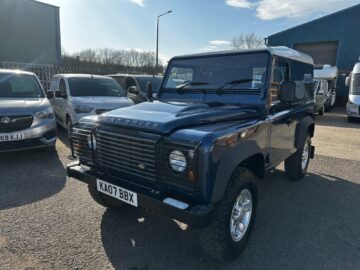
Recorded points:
219,122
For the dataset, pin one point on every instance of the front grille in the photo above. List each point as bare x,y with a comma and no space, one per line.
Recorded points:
79,141
15,123
123,153
15,145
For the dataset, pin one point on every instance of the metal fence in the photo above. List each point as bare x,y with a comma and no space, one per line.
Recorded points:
46,72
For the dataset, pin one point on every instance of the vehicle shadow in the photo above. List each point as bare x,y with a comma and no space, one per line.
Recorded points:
63,136
336,118
29,176
312,224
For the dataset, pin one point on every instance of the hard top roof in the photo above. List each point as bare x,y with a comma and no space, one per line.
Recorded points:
74,75
16,71
281,51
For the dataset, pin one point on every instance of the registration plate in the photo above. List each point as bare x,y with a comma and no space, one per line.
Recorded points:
12,137
116,192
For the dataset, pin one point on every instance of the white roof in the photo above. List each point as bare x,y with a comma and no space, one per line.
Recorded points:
74,75
281,51
327,72
356,68
16,71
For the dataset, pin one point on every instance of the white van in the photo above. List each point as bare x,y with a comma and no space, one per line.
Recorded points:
328,73
353,105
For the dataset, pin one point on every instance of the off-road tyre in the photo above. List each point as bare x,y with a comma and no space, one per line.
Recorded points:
293,164
104,200
216,240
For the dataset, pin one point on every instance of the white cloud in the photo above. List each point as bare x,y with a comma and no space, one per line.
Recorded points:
216,45
275,9
239,3
140,3
219,42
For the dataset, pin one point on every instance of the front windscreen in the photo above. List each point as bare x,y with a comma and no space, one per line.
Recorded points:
233,71
355,84
19,86
90,87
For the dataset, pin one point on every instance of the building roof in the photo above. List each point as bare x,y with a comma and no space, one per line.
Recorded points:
318,19
281,51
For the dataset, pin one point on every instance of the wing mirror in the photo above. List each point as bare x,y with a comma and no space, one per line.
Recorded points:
347,81
133,90
59,94
149,91
287,91
50,94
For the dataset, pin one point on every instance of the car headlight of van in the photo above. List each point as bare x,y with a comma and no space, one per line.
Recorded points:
83,109
177,161
45,114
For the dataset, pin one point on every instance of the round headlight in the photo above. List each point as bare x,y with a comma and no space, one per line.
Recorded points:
93,144
177,161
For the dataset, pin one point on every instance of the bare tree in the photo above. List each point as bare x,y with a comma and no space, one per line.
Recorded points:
247,41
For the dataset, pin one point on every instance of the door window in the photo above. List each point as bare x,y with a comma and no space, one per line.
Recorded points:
280,74
62,87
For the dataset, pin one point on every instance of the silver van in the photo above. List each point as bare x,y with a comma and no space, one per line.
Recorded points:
353,104
79,95
26,117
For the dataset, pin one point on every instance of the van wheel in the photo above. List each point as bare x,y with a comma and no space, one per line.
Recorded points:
327,108
297,164
233,218
351,119
322,110
103,199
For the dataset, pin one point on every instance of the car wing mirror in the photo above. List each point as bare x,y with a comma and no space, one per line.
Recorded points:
59,94
149,91
50,94
133,90
287,91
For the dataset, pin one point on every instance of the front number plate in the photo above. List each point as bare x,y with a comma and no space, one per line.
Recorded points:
116,192
12,137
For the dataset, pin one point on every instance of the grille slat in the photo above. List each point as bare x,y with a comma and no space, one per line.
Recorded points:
127,154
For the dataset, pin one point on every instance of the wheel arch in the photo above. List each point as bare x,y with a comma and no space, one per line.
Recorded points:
306,126
250,157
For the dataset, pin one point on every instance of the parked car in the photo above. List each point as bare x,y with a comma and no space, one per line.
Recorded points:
220,121
353,104
79,95
27,119
135,85
321,95
329,73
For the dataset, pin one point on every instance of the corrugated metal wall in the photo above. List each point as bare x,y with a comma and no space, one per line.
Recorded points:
30,32
342,26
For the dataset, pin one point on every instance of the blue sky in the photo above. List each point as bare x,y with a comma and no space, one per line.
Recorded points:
194,25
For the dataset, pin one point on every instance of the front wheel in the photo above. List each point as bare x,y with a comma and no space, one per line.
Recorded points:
351,119
297,164
233,218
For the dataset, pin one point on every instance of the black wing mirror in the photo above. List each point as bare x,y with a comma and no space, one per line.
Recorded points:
149,91
133,90
50,94
59,94
287,91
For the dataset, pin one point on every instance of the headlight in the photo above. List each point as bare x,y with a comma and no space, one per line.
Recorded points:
83,109
177,161
45,114
91,144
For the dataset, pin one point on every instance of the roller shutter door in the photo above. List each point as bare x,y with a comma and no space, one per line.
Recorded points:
322,52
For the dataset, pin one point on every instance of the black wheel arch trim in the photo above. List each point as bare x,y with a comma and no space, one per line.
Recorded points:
306,126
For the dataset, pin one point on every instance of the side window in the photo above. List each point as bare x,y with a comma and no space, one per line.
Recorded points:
280,74
62,86
130,82
54,83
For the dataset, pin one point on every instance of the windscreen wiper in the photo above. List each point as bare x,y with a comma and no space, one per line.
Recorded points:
182,86
220,89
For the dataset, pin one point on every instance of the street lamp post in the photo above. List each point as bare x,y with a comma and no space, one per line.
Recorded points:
157,39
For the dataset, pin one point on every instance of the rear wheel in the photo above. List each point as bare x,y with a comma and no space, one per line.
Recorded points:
322,110
297,164
233,218
103,199
351,119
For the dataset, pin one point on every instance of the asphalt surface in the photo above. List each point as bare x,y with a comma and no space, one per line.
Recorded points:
50,222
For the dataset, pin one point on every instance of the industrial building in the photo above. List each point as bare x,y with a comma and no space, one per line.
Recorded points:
30,32
333,39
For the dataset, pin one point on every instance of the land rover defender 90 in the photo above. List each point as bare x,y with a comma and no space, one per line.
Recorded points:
195,154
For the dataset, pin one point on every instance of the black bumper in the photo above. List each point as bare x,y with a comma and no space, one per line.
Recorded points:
196,216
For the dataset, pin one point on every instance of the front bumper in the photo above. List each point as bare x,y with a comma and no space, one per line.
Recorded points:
196,216
41,134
